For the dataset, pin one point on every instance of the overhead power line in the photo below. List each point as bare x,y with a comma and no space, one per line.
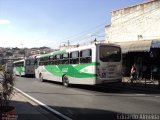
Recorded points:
79,34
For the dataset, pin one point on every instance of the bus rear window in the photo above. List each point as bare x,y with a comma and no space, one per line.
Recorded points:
110,53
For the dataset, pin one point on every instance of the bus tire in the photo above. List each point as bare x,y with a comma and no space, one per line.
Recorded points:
65,81
41,78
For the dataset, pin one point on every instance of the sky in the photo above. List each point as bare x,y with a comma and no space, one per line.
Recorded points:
37,23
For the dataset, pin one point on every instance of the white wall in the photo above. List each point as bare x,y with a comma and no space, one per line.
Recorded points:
128,23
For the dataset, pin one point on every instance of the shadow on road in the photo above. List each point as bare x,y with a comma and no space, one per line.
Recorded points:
124,87
87,113
117,87
26,111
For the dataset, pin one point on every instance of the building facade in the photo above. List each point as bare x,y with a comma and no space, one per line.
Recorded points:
137,22
137,30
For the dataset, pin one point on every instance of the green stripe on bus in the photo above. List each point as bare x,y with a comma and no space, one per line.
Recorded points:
69,70
20,69
81,66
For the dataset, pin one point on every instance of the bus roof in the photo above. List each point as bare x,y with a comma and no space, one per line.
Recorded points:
89,46
74,49
52,53
18,61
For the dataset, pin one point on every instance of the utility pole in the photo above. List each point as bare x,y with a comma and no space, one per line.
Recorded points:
24,53
68,43
23,50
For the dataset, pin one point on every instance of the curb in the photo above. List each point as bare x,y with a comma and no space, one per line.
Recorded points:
58,114
136,88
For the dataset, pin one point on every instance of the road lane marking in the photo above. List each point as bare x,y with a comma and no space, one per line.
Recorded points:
43,105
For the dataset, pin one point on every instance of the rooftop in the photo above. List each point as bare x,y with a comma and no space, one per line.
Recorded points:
146,2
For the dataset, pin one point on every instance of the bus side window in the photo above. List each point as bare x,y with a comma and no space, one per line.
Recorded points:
46,60
61,59
21,64
51,58
54,60
41,61
86,56
65,58
74,57
57,59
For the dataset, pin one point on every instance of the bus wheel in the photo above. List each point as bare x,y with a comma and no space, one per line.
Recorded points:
41,78
65,81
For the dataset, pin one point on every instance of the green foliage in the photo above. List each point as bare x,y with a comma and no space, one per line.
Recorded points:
6,87
1,67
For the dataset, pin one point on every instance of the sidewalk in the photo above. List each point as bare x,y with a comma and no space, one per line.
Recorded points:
28,110
141,85
143,81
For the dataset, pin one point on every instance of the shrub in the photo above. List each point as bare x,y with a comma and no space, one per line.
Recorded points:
6,87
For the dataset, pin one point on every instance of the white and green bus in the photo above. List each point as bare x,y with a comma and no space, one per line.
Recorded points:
24,67
90,65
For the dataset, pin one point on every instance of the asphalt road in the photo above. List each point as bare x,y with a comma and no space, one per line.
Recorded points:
83,102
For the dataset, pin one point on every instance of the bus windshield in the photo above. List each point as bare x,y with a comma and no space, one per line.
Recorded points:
110,53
